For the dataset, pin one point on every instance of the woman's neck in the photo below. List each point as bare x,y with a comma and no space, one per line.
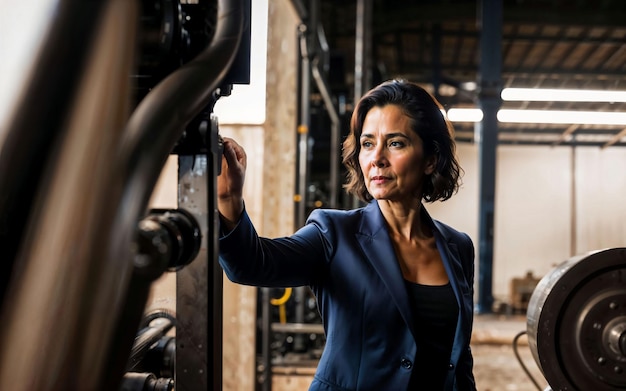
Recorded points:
405,220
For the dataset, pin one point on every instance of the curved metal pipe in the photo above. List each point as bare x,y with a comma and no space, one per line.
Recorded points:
160,118
152,131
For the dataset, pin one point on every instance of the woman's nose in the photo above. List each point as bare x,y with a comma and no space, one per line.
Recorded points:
378,163
378,159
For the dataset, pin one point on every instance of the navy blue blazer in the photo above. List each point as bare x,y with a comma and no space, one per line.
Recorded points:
348,260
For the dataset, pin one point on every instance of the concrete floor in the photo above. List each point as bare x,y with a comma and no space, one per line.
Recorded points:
496,367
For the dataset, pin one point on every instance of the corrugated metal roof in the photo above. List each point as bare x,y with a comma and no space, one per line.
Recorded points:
578,44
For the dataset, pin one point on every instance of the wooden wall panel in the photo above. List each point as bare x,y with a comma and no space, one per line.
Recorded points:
240,301
280,126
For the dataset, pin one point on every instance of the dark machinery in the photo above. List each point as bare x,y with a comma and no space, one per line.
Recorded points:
576,323
118,86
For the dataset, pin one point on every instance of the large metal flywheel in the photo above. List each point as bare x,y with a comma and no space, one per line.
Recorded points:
576,323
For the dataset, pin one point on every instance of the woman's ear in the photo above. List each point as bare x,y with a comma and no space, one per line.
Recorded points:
431,164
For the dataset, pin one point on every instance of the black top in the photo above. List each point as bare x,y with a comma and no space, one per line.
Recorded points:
435,315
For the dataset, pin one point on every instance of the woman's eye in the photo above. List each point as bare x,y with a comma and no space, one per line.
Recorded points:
366,144
396,144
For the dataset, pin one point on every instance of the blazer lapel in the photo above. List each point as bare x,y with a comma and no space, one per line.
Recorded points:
450,257
452,263
373,237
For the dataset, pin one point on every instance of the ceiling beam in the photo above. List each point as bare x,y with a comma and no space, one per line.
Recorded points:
530,143
615,138
587,14
571,129
461,32
410,68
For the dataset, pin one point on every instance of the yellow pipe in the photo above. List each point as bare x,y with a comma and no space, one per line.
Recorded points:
280,302
283,299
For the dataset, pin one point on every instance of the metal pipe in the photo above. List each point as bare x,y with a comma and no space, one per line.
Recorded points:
266,340
334,132
300,9
362,48
44,103
362,56
573,231
59,316
303,127
436,56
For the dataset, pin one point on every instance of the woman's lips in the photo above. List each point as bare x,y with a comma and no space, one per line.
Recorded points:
379,179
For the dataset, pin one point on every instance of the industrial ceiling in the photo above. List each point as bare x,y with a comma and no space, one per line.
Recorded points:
557,44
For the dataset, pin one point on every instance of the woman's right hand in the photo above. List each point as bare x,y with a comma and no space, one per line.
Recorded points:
230,182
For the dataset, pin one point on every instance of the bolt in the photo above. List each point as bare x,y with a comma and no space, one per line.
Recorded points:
617,369
601,360
613,305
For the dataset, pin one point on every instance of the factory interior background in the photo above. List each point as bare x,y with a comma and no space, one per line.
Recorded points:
554,201
558,187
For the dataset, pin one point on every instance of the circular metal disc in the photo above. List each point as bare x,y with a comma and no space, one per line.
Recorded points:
576,320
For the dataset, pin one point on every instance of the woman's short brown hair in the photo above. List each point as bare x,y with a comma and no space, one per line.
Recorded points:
427,121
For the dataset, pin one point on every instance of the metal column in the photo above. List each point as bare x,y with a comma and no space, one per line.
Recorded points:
199,285
304,119
489,100
362,57
363,49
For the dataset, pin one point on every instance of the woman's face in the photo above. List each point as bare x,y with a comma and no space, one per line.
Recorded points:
391,156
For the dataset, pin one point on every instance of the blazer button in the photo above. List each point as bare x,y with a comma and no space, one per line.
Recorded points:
450,366
406,363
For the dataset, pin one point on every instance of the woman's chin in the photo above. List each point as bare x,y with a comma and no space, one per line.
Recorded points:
381,197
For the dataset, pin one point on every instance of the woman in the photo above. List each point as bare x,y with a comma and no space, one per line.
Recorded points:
394,287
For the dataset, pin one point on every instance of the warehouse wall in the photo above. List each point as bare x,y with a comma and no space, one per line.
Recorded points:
551,203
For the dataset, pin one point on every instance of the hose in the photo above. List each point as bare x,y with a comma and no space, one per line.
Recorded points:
521,362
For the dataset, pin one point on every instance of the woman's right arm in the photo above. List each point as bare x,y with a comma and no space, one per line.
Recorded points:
249,259
299,259
230,184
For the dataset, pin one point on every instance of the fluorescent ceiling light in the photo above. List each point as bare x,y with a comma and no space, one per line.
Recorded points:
541,116
554,95
562,117
465,115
